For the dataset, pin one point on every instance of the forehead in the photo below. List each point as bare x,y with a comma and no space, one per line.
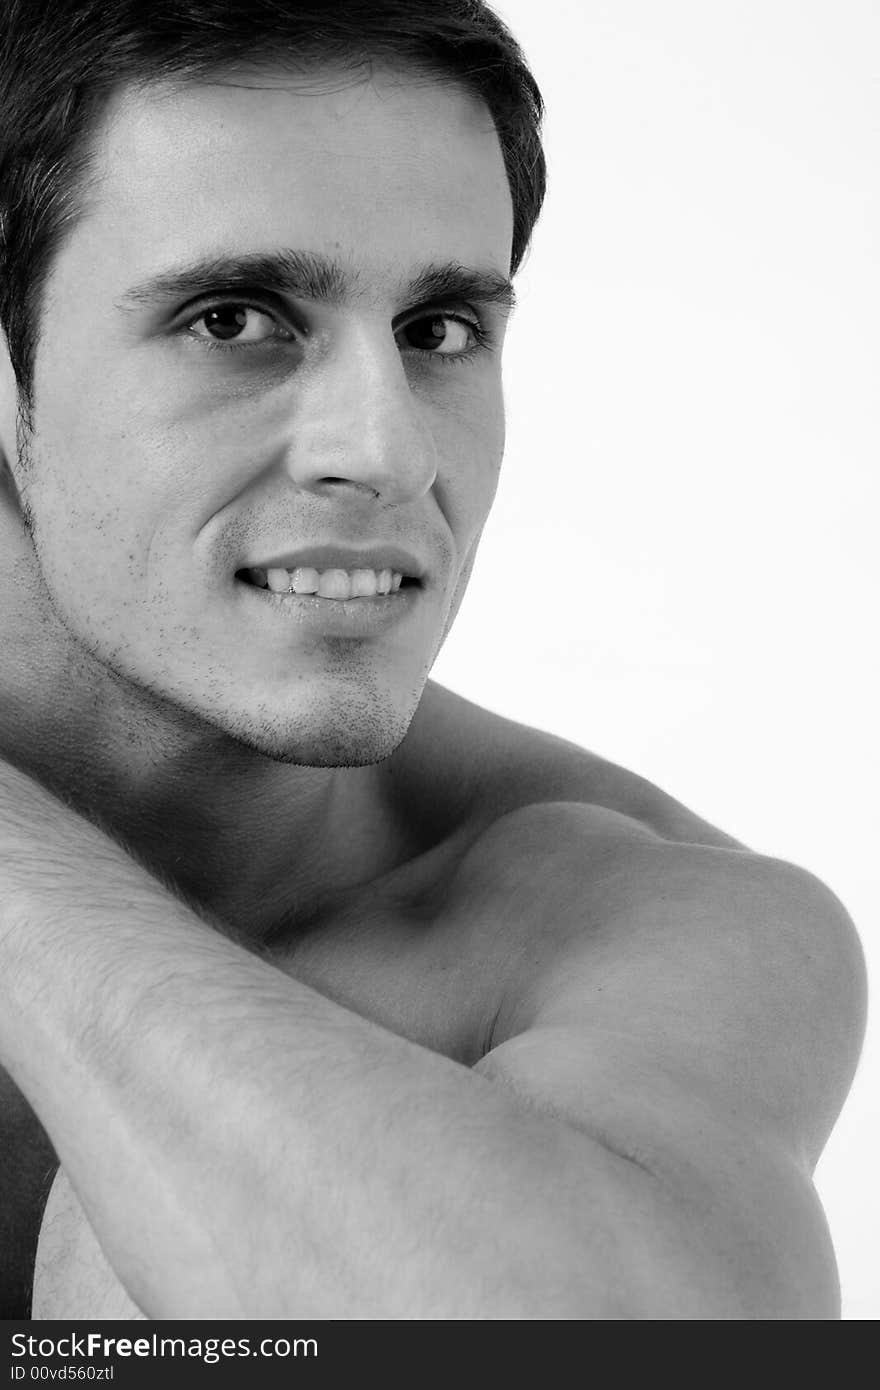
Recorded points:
383,172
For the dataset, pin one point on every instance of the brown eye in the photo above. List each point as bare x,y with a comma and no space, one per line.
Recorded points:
235,324
440,333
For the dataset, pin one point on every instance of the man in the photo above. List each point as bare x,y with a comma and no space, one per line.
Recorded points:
333,994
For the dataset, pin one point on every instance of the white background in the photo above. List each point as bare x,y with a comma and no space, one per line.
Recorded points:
681,571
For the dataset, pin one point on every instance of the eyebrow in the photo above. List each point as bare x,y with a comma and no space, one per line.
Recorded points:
310,275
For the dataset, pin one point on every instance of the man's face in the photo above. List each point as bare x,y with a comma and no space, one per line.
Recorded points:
181,443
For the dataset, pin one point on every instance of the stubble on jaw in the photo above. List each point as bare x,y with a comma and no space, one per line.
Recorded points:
362,738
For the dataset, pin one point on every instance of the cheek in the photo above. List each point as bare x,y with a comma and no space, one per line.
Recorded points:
88,528
473,450
111,445
106,485
468,499
95,543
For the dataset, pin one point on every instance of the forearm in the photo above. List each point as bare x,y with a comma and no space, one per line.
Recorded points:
244,1147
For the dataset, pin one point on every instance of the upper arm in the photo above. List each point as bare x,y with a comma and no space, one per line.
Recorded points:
701,1016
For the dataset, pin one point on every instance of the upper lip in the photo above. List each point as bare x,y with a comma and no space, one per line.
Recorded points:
331,556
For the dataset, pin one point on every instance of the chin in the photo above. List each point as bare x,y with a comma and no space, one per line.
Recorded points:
355,732
343,748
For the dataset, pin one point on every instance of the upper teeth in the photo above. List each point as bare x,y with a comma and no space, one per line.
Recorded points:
338,584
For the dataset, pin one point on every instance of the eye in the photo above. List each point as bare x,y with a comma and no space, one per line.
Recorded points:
445,335
237,324
234,324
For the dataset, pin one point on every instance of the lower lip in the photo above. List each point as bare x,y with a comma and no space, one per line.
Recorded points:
345,617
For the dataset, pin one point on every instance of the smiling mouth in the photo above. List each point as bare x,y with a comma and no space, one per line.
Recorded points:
334,584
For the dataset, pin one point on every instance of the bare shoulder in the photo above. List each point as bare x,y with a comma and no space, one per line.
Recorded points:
696,1007
685,943
624,911
756,950
485,766
616,869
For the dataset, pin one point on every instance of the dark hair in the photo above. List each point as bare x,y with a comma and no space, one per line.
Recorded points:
61,60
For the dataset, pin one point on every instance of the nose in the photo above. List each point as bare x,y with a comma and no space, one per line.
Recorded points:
358,424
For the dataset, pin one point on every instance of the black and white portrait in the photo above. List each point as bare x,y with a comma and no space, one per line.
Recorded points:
438,689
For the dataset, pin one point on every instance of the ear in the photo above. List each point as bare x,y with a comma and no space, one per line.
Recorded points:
8,432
